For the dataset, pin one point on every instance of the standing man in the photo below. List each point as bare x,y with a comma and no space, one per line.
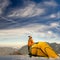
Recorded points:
30,43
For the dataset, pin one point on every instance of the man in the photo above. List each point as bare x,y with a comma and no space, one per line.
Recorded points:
30,43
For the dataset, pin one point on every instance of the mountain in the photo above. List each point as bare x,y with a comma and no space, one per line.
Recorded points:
56,47
23,50
6,50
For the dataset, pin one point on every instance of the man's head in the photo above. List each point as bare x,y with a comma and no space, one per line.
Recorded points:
30,36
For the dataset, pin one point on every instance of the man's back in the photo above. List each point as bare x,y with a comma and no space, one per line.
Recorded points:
30,42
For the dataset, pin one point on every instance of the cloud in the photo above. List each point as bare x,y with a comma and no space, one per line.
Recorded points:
32,28
58,14
32,9
6,19
54,24
38,31
53,16
29,11
42,30
50,3
41,20
33,12
3,5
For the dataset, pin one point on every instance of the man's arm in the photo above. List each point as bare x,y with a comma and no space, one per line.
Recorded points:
32,41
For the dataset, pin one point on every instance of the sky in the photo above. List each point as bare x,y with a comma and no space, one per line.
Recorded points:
21,18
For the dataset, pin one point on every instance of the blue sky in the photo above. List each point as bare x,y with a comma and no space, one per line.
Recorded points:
20,18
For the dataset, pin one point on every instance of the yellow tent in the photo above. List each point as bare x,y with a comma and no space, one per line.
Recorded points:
43,49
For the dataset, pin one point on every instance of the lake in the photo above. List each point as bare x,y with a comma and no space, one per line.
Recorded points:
24,57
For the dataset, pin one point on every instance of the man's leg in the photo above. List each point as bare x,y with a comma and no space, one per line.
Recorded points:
28,49
29,52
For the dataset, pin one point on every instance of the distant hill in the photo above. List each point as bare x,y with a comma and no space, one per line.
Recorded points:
24,50
6,50
56,47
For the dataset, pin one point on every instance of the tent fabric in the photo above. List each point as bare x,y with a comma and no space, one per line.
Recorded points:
43,49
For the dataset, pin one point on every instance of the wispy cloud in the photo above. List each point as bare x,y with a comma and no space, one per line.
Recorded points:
3,5
10,20
45,10
56,24
29,11
43,30
41,20
50,3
